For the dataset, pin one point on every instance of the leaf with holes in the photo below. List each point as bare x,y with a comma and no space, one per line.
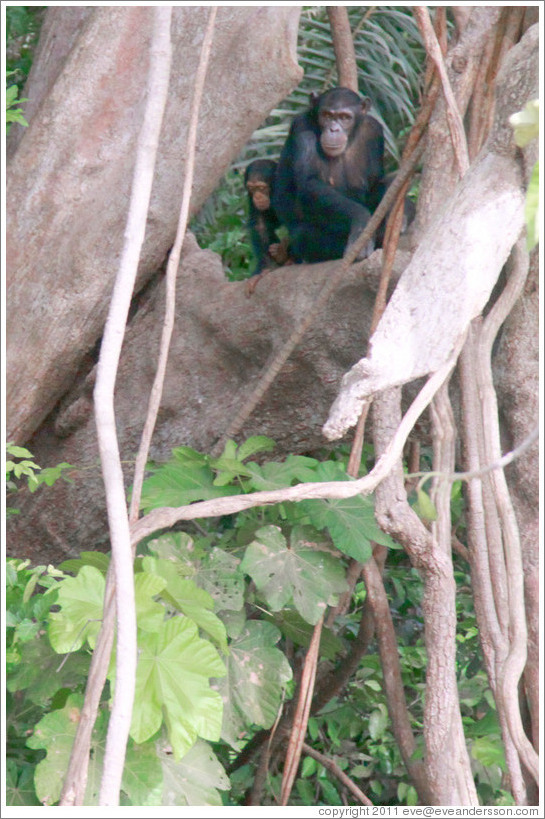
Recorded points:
142,775
55,733
257,673
297,573
221,577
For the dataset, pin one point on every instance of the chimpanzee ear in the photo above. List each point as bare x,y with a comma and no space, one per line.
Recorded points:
365,105
314,97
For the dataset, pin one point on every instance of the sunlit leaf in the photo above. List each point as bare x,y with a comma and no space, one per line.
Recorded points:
188,598
142,775
532,210
488,751
195,779
378,722
172,680
55,733
81,601
526,123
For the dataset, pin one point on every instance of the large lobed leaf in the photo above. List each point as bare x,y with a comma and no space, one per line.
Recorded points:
178,484
188,598
349,521
195,780
253,687
81,601
172,679
297,573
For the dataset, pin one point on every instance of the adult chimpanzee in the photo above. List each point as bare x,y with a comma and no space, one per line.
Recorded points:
330,177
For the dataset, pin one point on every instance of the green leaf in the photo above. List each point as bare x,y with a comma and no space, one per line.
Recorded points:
188,598
256,443
488,727
349,521
488,751
532,210
275,475
424,506
38,671
142,775
228,470
27,630
305,791
309,577
20,784
526,123
12,449
331,794
178,484
97,559
195,780
222,578
11,95
51,474
55,733
257,673
188,456
81,600
172,678
378,722
149,614
300,632
177,547
308,767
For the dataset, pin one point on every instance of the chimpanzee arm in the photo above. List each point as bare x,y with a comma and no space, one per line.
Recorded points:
317,196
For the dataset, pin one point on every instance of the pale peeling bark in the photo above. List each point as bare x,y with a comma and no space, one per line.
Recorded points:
118,519
447,283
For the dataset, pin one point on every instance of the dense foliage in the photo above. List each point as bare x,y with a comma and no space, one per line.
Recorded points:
226,607
224,615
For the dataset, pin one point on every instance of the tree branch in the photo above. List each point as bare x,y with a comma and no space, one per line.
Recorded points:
513,666
126,658
165,517
172,269
456,125
343,45
336,771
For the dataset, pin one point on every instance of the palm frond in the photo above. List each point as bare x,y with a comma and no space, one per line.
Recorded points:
390,59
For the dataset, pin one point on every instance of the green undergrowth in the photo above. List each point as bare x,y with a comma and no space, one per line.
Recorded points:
225,611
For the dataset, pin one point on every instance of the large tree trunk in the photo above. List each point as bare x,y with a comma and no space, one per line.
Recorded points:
69,177
221,343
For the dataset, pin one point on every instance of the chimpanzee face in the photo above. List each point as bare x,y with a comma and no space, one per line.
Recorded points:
336,126
260,193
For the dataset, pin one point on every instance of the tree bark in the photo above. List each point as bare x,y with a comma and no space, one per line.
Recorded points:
68,180
222,341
